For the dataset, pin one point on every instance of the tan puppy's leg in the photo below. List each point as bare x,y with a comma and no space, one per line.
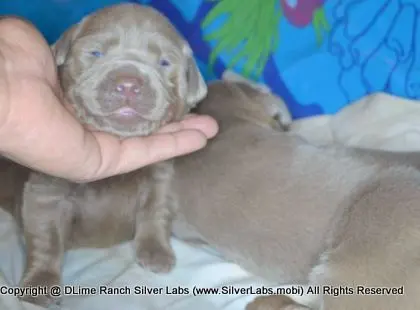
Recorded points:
46,221
154,222
274,302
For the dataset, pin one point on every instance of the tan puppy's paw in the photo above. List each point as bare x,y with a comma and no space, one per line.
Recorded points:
155,256
43,289
274,302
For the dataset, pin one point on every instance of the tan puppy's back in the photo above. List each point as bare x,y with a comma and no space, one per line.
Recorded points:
257,194
374,250
275,204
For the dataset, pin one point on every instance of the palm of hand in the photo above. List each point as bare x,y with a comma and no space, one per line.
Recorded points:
38,132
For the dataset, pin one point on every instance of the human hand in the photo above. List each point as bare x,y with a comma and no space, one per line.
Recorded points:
37,131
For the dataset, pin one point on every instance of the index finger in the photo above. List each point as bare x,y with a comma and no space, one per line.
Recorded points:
135,153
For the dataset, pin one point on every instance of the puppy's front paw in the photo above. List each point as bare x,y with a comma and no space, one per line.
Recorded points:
43,289
274,302
155,256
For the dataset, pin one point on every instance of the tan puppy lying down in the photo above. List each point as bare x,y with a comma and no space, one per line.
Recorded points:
124,70
290,211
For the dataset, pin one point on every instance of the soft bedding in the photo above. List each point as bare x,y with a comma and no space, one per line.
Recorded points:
198,267
377,121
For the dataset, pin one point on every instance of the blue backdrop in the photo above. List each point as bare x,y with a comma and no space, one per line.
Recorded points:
318,55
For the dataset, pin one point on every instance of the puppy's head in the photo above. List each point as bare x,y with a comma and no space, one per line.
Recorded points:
231,101
126,70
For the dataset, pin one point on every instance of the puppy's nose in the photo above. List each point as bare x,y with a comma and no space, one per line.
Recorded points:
128,86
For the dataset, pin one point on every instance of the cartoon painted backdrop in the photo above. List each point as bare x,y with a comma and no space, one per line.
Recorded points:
319,55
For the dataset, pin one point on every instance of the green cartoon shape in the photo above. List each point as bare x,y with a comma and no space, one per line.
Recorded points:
320,24
251,27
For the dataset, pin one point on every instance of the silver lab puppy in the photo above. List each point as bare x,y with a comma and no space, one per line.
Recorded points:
295,213
124,70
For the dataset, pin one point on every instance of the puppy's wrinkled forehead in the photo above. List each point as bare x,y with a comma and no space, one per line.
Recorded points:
130,27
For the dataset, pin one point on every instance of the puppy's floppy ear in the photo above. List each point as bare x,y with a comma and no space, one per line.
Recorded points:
62,46
276,107
272,105
195,86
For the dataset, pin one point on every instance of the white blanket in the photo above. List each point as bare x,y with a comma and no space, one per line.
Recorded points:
379,121
115,268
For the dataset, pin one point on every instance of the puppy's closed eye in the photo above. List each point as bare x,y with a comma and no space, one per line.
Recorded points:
279,123
164,62
96,53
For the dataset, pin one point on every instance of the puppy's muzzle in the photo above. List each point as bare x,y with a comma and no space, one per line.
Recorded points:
128,86
128,89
